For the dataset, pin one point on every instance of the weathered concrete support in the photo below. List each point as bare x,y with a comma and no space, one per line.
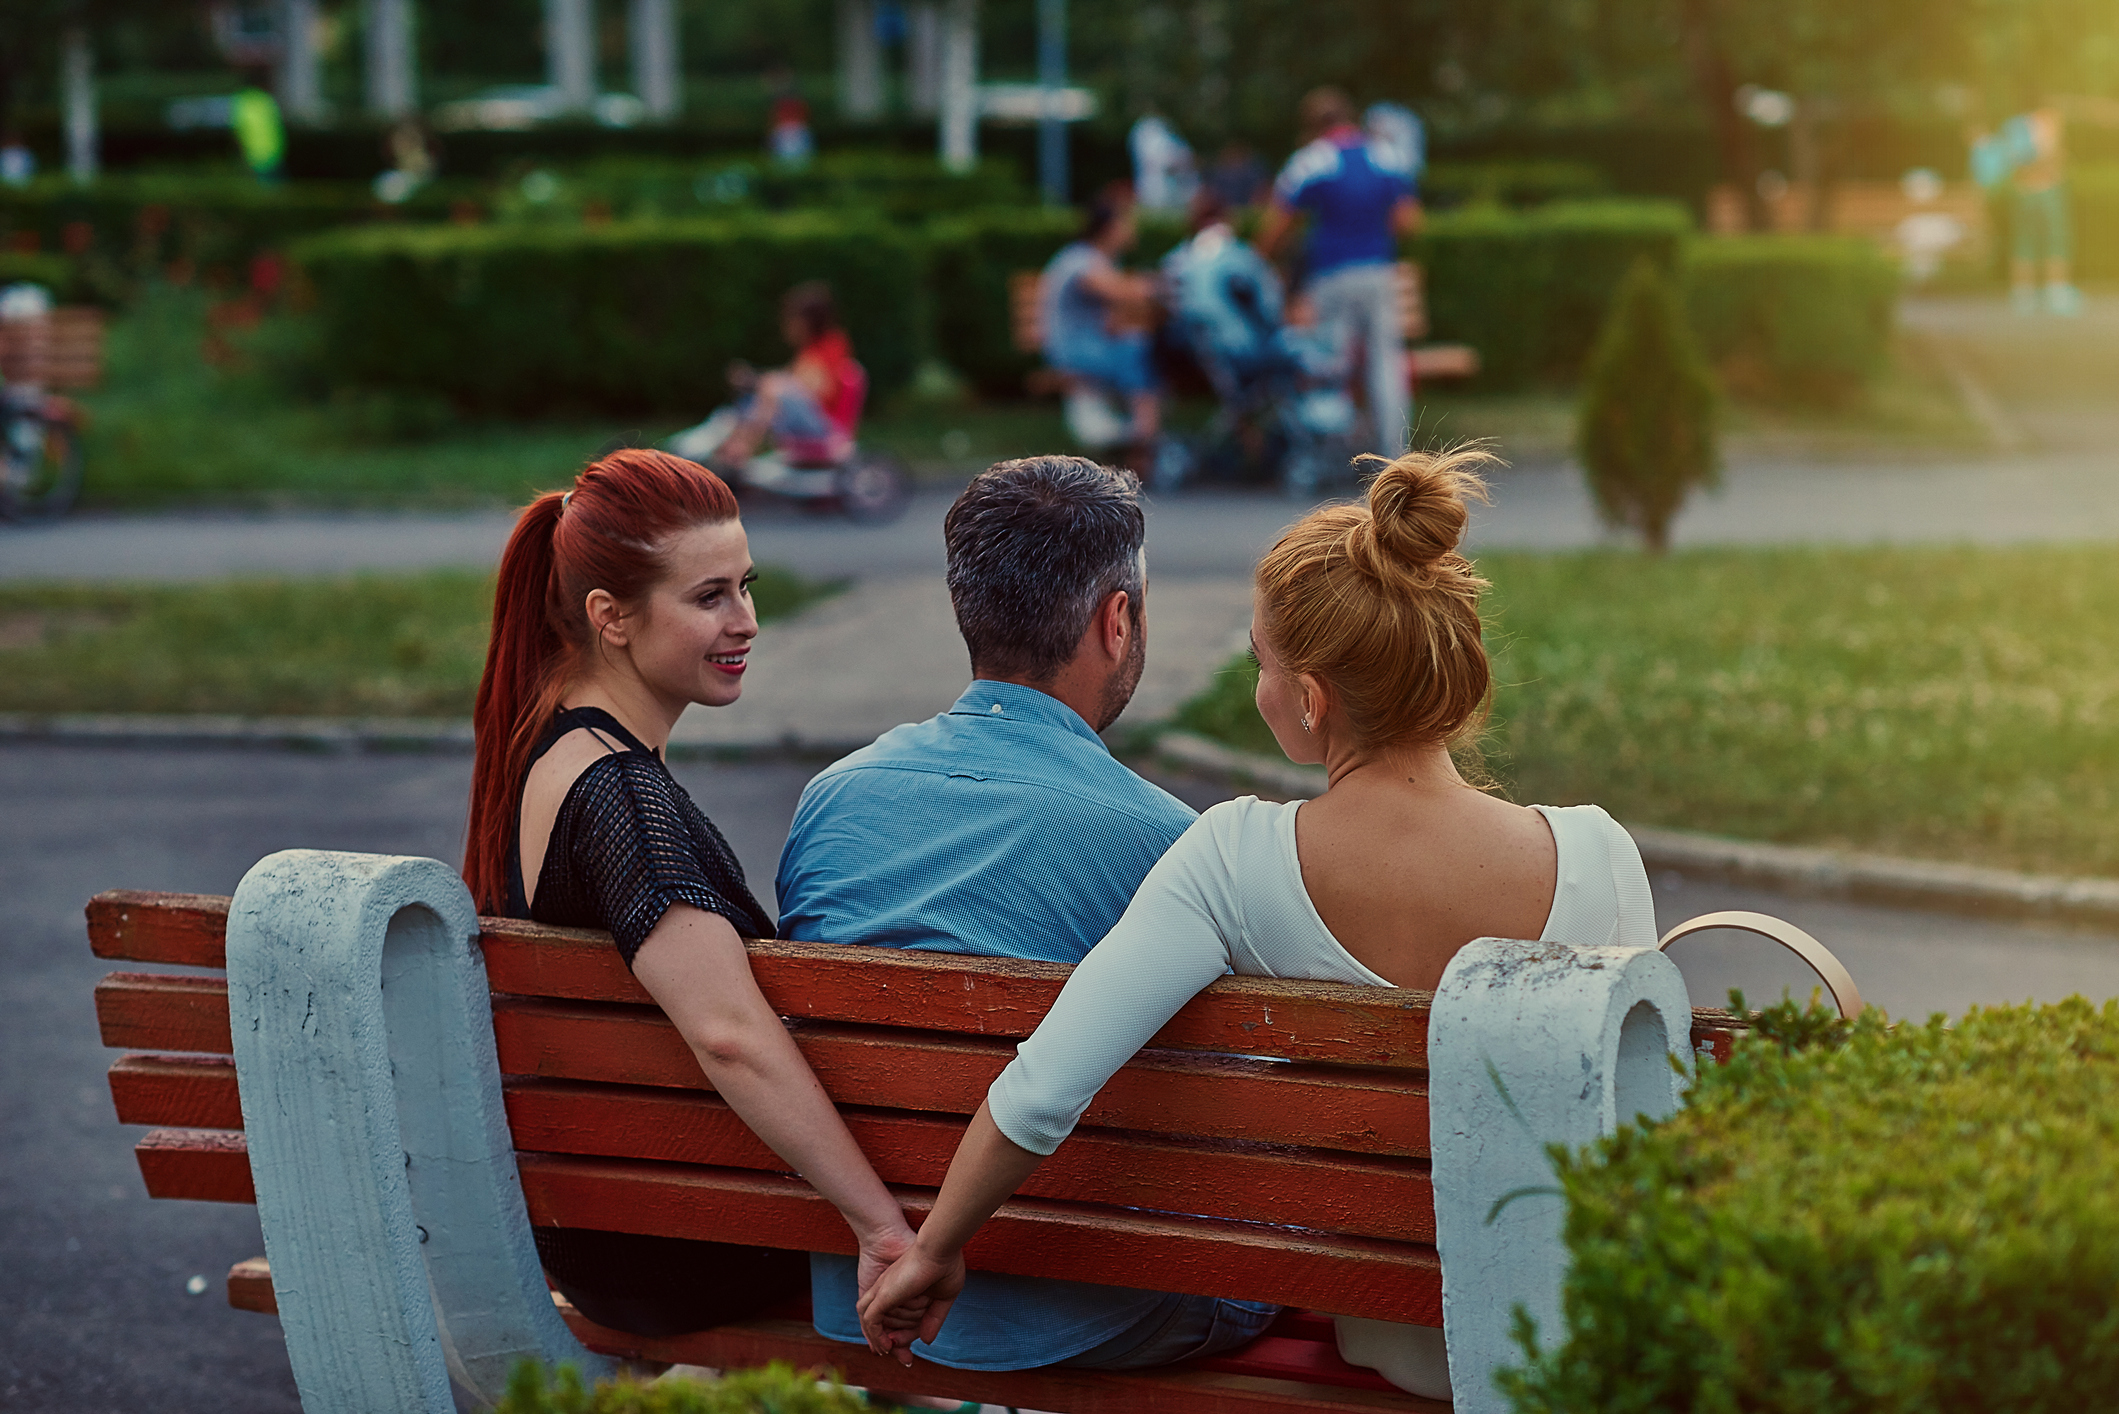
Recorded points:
385,1174
1529,1045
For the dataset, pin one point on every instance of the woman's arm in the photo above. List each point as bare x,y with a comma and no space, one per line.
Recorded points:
1169,946
694,966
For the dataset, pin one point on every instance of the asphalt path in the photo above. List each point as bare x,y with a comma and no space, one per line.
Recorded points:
96,1309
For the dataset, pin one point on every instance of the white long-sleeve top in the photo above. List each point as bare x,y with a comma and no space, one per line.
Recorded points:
1229,896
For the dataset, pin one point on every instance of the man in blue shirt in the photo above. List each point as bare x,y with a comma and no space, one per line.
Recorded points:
1005,828
1358,196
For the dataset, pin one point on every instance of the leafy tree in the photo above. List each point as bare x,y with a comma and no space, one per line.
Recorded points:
1645,432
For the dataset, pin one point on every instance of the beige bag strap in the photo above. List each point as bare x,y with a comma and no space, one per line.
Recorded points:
1845,994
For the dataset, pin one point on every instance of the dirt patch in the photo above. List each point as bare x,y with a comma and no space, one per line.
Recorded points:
33,628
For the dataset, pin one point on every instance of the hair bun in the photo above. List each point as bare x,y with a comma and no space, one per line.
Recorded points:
1417,503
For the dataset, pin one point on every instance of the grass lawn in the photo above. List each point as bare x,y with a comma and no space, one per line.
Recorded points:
1942,703
410,645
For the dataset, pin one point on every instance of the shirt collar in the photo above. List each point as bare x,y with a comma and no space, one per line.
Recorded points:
1012,702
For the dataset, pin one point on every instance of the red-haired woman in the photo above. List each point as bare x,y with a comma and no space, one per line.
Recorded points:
619,604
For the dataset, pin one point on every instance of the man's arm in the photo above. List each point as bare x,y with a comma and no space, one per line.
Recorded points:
1407,217
1273,229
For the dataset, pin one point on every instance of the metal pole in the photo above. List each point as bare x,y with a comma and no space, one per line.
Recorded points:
1052,77
301,92
78,79
960,86
658,73
570,52
391,79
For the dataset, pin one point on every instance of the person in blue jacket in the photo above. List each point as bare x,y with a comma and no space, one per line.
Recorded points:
1358,197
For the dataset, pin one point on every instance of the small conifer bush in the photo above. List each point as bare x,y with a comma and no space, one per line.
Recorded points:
1645,429
774,1389
1854,1218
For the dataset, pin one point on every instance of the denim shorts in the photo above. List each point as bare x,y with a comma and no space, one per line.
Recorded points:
1119,361
1181,1328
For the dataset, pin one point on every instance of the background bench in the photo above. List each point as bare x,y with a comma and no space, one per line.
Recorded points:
1272,1144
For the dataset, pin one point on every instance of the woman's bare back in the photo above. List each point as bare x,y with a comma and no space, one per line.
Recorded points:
1404,873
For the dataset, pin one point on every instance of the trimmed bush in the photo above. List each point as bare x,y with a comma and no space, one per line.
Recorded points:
774,1389
1798,318
621,318
1531,183
902,186
143,224
1645,433
1916,1218
1529,289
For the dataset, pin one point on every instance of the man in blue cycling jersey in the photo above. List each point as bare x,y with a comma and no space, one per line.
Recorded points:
1358,197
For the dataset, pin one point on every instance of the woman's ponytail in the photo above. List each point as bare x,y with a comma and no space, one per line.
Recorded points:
520,659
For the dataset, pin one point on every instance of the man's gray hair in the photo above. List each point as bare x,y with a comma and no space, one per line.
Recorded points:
1034,546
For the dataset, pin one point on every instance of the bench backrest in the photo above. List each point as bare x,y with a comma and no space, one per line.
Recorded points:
1271,1143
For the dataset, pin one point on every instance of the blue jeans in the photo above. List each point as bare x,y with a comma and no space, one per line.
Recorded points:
1182,1328
1118,361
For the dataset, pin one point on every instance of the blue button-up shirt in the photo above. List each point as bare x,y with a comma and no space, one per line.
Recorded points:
1002,828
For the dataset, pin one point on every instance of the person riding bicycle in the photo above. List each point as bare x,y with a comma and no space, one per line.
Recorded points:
1086,303
810,409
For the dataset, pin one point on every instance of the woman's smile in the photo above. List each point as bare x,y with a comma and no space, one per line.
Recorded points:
730,663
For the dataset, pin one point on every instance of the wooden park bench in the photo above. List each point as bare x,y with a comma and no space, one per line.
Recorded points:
403,1088
62,352
1422,360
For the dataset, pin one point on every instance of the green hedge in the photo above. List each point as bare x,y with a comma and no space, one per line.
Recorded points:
136,225
1805,318
1908,1219
1448,184
902,186
1529,289
622,318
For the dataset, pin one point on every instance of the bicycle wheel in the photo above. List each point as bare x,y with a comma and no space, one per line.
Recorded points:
873,488
40,469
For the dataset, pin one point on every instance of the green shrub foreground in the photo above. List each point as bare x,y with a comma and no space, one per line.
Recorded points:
1908,1219
628,317
773,1389
1937,702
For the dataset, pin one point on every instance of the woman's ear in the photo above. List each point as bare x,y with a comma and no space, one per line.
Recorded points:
1316,700
606,617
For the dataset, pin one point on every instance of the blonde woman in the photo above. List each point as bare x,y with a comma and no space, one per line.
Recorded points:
1371,663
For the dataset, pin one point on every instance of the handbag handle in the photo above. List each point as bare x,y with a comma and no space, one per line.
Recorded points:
1845,995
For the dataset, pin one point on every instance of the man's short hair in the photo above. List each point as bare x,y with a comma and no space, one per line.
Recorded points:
1035,545
1323,109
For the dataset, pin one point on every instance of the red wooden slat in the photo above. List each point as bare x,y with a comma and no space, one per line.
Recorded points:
211,1165
1348,1275
881,986
183,1092
250,1287
146,1012
1330,1022
133,925
1323,1190
1185,1389
1214,1097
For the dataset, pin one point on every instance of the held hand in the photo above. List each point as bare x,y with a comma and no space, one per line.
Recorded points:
915,1281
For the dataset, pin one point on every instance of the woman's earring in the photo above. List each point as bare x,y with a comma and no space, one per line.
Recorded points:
1305,721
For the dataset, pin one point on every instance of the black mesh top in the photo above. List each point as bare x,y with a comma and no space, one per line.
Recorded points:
627,844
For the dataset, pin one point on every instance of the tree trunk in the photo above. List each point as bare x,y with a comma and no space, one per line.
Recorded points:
1716,84
658,69
78,79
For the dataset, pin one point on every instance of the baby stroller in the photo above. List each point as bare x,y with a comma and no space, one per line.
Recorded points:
1282,389
828,472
